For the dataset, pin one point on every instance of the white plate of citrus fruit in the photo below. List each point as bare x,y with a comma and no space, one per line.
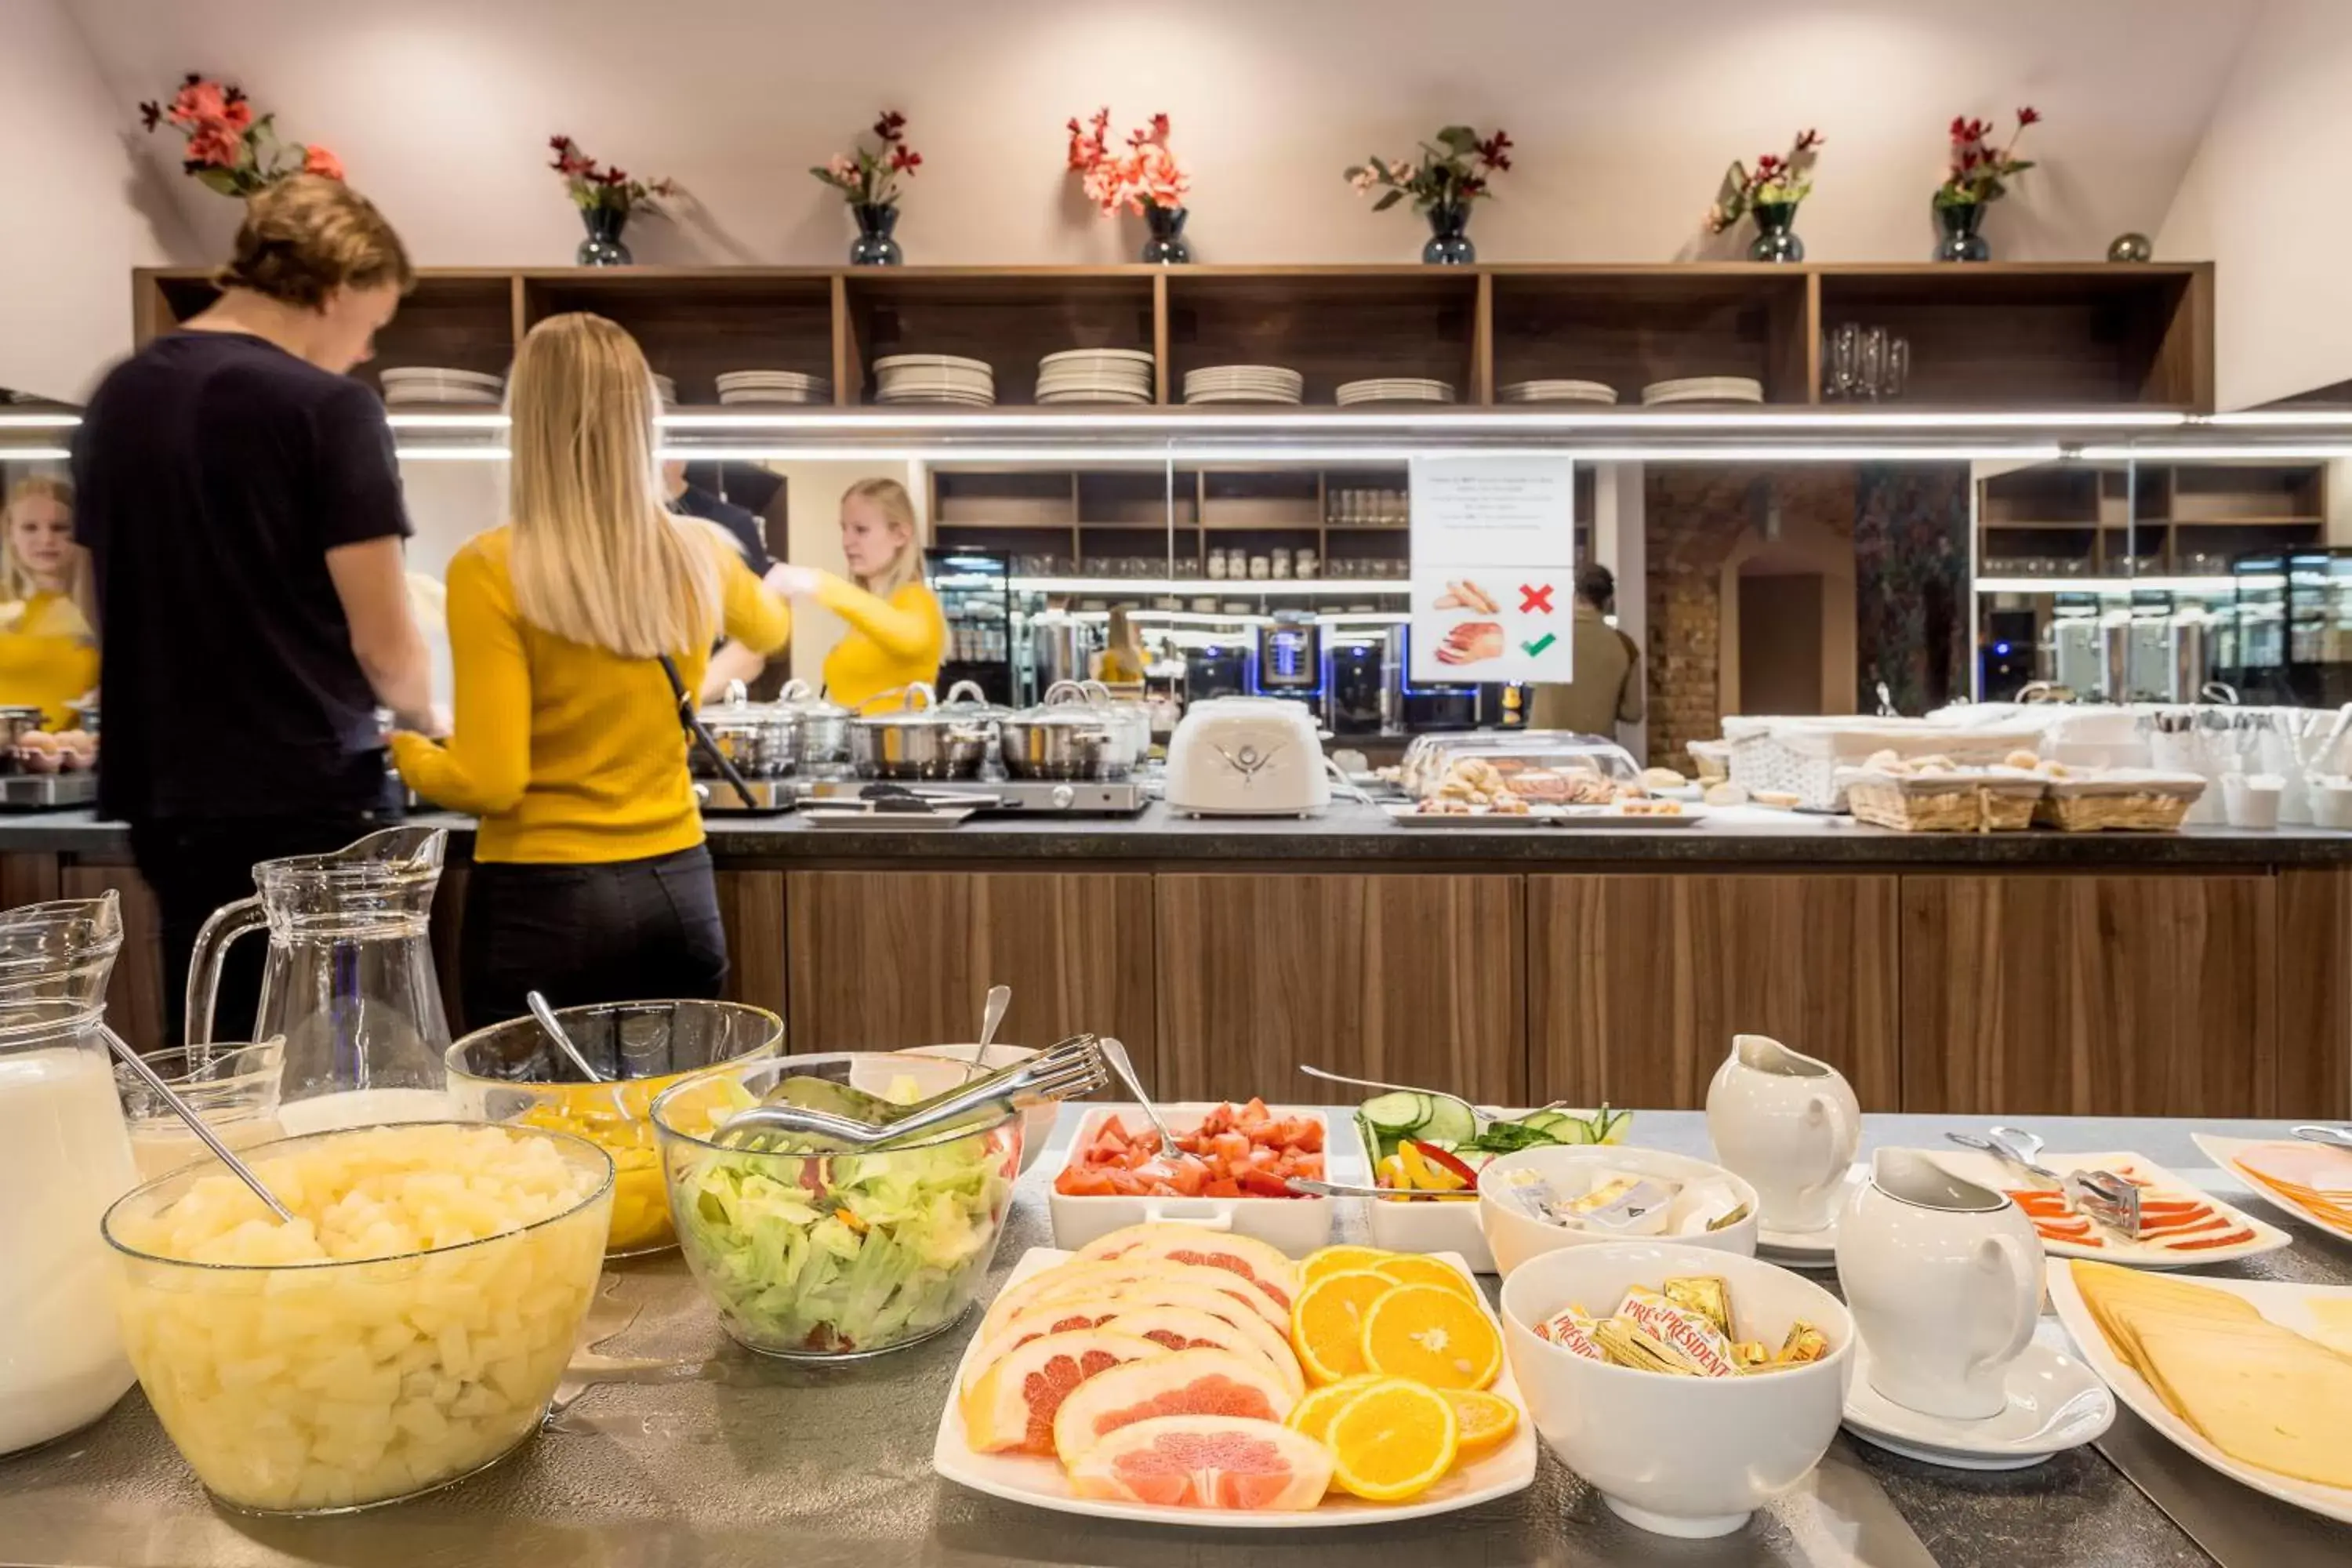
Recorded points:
1177,1375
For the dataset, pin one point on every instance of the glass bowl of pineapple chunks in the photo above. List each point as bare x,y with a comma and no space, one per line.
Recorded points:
513,1072
406,1330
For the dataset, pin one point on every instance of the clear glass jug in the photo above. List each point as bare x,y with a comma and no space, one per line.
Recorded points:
68,1159
348,983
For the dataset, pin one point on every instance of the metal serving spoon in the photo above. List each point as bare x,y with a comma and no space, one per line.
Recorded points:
992,1013
2333,1137
546,1017
196,1124
1115,1053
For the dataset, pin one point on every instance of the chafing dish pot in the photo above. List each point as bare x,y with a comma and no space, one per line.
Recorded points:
761,739
917,742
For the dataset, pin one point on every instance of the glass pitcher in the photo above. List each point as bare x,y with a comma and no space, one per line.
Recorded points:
348,983
68,1159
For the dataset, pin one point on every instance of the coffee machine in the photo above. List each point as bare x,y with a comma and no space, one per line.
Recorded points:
1420,710
1356,700
1216,669
1288,660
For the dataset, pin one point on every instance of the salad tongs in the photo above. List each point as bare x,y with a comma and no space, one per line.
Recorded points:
1063,1071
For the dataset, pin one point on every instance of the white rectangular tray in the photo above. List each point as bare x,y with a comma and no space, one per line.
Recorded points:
1039,1481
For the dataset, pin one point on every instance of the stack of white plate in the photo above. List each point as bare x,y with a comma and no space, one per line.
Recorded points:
1244,383
773,387
1558,392
665,389
934,378
426,383
1395,389
1095,375
1704,389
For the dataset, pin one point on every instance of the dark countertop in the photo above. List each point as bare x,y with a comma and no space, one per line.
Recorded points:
719,1460
1354,833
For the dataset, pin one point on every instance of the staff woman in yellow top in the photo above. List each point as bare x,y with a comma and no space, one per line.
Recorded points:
591,882
896,630
48,652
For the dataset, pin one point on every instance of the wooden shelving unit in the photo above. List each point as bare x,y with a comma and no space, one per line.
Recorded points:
2176,519
2008,335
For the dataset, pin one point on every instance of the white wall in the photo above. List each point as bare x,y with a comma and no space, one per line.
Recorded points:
83,208
1625,115
2263,200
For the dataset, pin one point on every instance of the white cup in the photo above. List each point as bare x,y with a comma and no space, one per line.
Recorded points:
2331,803
1789,1126
1944,1279
2251,800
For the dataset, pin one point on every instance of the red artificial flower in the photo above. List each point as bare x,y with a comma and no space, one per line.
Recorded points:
151,114
616,175
891,126
1807,140
316,160
905,160
1768,165
214,147
2027,116
1494,151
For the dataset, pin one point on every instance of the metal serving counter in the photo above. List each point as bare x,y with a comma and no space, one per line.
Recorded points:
723,1461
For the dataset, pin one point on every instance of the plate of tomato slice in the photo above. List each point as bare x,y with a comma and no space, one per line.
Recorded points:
2181,1226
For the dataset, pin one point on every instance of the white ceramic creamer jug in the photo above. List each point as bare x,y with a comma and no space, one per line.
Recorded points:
1944,1278
1789,1125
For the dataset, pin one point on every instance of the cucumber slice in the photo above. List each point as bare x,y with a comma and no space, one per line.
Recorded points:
1546,1120
1394,1114
1576,1130
1450,1121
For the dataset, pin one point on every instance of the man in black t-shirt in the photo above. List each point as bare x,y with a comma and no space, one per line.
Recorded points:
242,508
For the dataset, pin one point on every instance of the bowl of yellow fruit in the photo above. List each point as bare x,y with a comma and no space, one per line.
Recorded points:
512,1072
406,1330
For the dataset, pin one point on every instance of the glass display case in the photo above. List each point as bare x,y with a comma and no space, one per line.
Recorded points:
2289,637
975,591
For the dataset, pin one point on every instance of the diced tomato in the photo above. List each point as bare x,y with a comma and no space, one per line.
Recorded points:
1082,1181
1229,1146
1255,1114
1223,1187
1265,1184
1239,1152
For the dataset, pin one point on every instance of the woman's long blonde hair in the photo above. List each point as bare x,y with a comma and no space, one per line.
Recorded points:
17,584
896,505
597,559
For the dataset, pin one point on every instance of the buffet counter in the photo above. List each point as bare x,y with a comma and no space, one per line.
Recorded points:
2208,971
706,1456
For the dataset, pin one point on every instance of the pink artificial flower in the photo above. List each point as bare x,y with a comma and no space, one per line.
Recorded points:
841,168
318,160
215,146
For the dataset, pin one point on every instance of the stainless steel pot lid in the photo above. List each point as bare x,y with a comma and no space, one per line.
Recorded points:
802,699
929,715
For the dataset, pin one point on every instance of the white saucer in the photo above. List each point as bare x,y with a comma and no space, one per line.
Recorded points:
2055,1402
1809,1248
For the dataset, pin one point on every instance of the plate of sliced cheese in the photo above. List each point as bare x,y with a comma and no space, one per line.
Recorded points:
2251,1378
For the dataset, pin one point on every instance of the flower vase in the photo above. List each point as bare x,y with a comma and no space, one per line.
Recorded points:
1166,247
1776,233
1448,244
602,248
1961,242
874,246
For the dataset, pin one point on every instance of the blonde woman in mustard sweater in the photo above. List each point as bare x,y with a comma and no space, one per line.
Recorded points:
897,632
591,882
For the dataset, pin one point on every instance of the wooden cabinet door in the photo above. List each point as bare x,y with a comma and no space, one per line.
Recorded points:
880,960
134,994
1636,983
1412,979
2315,994
2122,995
752,906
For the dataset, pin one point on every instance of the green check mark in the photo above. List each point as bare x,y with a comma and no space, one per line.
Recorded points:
1539,644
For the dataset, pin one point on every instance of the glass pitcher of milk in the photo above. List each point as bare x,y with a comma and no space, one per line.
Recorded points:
348,983
68,1159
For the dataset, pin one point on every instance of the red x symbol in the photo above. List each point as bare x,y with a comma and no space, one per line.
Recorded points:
1534,599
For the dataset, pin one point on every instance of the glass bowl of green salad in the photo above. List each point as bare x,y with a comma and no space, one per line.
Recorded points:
815,1253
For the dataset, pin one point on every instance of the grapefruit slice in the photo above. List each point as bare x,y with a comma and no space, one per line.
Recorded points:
1175,1383
1161,1291
1035,1323
1252,1260
1014,1404
1077,1281
1205,1461
1190,1328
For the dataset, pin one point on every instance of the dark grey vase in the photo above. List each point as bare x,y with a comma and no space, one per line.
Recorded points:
1449,243
1776,233
602,248
1166,247
1961,242
874,246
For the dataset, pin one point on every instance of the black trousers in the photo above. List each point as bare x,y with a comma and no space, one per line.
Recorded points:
624,931
195,866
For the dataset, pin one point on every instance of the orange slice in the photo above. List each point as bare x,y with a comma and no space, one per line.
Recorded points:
1414,1269
1327,1327
1313,1413
1392,1441
1487,1419
1432,1335
1338,1259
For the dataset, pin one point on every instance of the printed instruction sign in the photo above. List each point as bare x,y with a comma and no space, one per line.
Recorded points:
1494,569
